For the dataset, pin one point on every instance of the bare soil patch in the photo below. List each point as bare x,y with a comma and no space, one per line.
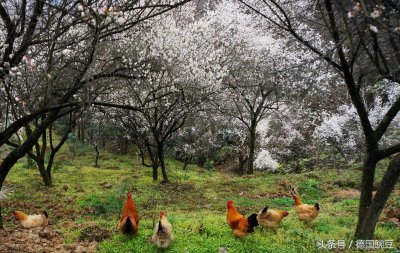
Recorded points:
39,240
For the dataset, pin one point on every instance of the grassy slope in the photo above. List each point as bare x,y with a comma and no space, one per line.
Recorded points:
195,201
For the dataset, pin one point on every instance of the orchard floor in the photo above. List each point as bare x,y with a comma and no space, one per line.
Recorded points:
44,240
85,203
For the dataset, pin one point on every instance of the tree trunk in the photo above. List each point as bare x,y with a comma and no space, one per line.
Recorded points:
83,130
155,172
50,164
96,162
54,151
154,160
252,145
17,153
43,173
242,162
1,220
78,130
141,154
367,184
164,173
367,222
160,148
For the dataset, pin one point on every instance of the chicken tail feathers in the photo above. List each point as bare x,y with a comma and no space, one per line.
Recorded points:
160,228
253,222
317,206
265,209
129,227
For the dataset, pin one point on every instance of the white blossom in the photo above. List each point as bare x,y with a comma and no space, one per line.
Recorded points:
264,161
376,13
66,52
121,20
373,28
350,14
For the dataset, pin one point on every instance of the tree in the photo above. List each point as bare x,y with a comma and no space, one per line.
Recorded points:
163,110
249,103
220,50
360,41
62,40
197,141
257,76
342,130
40,147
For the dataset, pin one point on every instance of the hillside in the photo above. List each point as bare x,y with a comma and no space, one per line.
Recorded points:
85,203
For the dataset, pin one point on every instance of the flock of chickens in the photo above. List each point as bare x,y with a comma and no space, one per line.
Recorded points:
242,226
163,237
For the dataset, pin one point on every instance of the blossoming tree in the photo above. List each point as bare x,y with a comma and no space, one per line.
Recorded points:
359,40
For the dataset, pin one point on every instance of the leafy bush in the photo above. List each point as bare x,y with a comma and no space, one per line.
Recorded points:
209,164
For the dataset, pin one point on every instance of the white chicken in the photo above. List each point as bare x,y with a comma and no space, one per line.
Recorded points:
31,221
162,236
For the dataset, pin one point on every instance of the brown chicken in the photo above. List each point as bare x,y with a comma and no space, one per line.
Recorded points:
31,221
129,221
270,218
304,211
162,236
240,225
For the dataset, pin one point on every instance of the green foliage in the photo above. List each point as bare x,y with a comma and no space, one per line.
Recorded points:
298,165
223,154
73,140
209,164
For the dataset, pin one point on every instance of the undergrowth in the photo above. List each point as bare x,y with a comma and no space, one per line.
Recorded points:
195,201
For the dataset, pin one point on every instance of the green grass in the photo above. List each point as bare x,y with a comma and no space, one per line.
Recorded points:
195,201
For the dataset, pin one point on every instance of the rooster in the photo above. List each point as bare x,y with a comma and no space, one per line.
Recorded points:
162,236
240,225
31,221
271,218
304,211
129,221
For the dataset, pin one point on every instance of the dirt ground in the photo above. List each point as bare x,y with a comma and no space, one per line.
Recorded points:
40,239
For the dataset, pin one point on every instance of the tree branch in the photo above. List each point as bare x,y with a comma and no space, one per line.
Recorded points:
384,153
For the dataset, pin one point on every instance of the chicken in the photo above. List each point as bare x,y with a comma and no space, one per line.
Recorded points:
162,236
240,225
129,221
304,211
271,218
31,221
